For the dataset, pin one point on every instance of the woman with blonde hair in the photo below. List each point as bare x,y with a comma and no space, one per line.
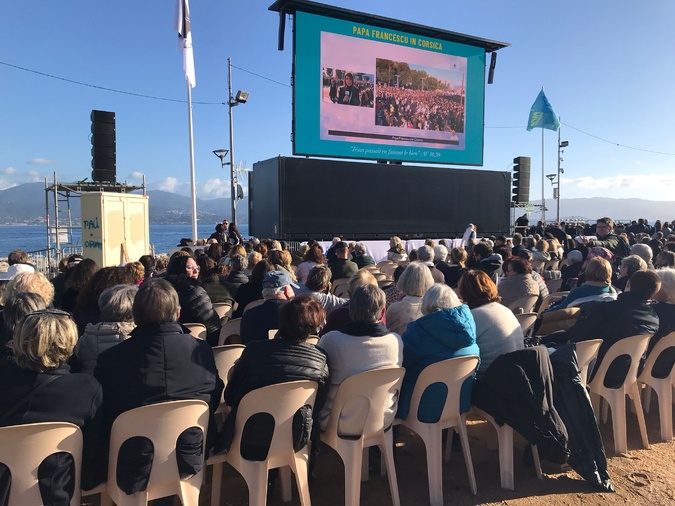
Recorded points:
31,282
445,330
396,251
414,282
42,389
596,288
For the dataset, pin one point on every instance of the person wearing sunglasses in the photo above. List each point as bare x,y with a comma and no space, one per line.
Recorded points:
40,388
195,303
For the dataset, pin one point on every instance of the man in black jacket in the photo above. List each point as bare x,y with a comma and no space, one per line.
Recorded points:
630,314
160,362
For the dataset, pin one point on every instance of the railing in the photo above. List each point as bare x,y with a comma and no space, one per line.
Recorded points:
47,260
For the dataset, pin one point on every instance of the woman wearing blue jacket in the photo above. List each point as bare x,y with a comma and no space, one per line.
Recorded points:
446,330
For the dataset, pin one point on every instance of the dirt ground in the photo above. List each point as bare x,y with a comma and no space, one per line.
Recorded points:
641,476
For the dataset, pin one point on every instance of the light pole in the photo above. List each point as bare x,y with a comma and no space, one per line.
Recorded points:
561,145
240,98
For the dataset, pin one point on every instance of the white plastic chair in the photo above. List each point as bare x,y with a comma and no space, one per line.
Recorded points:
281,401
634,347
225,357
24,447
272,333
162,424
374,388
587,352
388,268
526,303
253,304
197,330
526,321
222,308
452,372
230,333
553,285
505,442
546,303
339,288
662,386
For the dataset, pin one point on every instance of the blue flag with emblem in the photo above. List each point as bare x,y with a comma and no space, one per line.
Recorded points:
542,114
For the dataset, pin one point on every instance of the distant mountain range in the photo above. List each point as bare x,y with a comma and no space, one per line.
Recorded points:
25,204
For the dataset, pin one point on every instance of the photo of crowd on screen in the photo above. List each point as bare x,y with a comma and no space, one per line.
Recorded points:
422,98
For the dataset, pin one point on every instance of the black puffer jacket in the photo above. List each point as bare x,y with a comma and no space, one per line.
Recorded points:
195,306
271,362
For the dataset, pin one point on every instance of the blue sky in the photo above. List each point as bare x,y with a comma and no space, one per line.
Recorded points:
606,67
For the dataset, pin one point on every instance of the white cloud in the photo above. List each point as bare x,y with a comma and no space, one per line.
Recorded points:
214,188
168,184
40,161
621,181
136,175
9,170
4,184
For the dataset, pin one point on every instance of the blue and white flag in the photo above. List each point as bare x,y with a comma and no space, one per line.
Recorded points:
542,114
182,26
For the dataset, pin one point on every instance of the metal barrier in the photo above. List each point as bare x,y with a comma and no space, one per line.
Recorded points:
47,260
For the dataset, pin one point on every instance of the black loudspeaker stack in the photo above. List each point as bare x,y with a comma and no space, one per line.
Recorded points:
103,147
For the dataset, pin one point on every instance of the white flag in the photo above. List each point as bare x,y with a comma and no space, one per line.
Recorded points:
182,25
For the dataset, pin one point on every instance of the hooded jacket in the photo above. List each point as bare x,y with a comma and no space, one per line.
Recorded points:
437,336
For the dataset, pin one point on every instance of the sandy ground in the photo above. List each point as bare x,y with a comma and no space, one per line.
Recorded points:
642,476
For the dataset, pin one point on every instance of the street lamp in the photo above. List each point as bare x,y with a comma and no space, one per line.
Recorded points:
221,153
233,101
561,145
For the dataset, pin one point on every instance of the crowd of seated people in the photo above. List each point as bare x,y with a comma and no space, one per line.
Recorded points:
117,331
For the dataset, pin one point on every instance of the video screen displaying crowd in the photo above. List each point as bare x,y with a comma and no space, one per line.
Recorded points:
83,347
419,109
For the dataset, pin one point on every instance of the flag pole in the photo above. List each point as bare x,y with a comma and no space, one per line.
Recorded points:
543,198
193,190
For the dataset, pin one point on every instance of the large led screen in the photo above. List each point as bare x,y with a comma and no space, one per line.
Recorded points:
361,91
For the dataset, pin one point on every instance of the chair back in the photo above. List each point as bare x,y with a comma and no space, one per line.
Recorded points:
222,308
552,265
272,333
547,300
24,447
230,332
560,319
281,401
587,352
554,285
526,303
538,264
253,304
452,372
225,357
387,268
526,321
162,424
312,340
340,287
634,347
664,343
197,330
374,388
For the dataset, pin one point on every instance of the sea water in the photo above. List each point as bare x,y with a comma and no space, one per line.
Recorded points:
163,237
